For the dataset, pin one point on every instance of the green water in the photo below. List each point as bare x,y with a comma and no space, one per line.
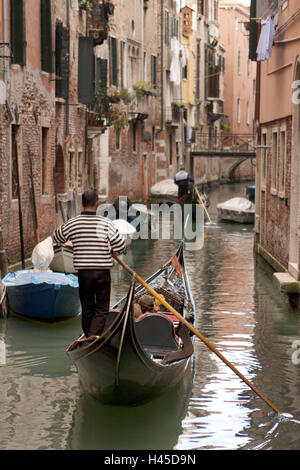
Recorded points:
239,311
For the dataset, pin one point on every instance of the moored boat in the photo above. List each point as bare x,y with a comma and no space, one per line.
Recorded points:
134,361
43,296
237,209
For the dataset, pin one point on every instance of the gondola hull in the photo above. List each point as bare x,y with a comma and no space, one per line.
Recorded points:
117,368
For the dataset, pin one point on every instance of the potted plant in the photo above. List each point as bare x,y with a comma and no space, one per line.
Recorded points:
226,127
117,118
85,5
141,89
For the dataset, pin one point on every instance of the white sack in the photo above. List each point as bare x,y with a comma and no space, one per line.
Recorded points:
42,255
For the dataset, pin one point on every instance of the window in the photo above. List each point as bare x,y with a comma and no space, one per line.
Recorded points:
145,75
167,27
185,72
274,161
113,61
249,69
122,63
46,36
154,71
248,113
263,156
45,134
134,137
118,135
170,149
198,70
62,46
201,7
18,32
282,158
239,62
86,70
175,27
153,139
239,111
72,168
79,170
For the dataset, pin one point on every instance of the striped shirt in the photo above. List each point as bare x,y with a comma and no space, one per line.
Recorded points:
93,238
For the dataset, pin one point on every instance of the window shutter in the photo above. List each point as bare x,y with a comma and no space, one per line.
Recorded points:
101,74
86,70
17,32
253,37
62,52
113,61
46,36
167,26
153,71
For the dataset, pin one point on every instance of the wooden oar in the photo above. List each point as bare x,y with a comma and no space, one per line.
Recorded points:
37,232
202,203
196,332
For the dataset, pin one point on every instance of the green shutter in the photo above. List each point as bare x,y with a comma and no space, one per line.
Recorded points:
86,66
62,53
167,27
46,36
113,69
17,32
101,74
253,36
154,71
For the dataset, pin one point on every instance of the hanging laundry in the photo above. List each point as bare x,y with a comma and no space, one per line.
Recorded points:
175,76
184,56
266,39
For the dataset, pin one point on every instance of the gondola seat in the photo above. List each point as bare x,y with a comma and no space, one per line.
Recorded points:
156,333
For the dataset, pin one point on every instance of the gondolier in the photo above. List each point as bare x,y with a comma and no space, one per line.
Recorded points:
93,238
182,179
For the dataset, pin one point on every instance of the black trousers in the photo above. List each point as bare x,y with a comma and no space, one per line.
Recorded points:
183,189
94,293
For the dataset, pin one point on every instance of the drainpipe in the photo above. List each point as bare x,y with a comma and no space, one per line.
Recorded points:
5,36
162,66
68,100
142,33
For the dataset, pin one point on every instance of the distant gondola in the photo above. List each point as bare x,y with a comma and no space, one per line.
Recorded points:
134,361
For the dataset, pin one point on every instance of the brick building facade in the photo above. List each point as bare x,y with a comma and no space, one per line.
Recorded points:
277,114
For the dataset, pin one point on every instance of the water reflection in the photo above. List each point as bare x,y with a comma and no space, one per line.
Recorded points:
155,425
238,310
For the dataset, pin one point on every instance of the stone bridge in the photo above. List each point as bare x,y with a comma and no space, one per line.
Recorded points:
232,149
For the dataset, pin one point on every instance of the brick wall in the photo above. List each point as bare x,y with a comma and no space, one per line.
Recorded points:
275,208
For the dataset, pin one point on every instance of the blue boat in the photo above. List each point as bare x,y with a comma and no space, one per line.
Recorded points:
43,296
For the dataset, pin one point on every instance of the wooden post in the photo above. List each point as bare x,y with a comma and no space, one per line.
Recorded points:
3,272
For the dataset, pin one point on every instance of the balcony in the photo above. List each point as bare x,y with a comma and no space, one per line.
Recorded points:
98,19
173,115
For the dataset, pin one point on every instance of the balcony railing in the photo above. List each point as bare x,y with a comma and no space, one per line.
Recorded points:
173,114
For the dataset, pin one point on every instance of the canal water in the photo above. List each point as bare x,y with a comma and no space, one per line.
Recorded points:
239,311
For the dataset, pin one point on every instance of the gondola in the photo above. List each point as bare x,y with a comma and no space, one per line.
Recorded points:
135,361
